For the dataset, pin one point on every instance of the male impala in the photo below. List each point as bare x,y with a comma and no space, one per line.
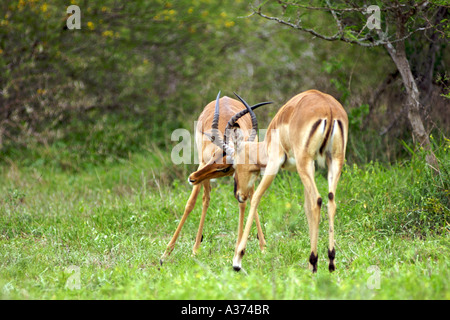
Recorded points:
213,160
311,126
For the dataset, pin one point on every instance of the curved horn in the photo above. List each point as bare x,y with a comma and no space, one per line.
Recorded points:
215,137
240,114
215,123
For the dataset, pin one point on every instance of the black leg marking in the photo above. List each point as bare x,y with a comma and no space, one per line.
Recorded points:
319,202
313,260
201,240
331,196
331,256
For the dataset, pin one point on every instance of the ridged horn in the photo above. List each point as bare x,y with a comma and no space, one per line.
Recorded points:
215,133
242,113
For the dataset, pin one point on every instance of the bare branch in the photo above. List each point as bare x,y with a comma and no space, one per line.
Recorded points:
420,5
338,22
337,36
367,41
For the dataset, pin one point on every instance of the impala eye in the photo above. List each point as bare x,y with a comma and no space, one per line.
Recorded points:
224,170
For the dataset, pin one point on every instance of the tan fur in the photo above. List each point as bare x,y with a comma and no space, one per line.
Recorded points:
211,159
302,136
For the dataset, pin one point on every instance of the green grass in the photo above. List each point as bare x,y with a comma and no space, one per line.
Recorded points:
99,233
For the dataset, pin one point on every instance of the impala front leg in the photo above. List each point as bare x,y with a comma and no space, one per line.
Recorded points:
266,181
206,198
241,224
262,241
187,210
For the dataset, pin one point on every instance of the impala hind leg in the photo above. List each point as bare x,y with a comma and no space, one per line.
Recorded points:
334,172
313,203
206,198
187,210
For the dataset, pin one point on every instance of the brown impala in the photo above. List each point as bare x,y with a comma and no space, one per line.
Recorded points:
221,116
311,126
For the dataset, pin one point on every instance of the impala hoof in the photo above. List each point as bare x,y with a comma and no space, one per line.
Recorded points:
237,260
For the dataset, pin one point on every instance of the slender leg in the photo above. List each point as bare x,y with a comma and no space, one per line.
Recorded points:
241,224
334,172
187,210
206,198
262,240
313,203
267,179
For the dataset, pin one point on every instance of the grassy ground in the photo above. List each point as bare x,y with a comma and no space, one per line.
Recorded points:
99,234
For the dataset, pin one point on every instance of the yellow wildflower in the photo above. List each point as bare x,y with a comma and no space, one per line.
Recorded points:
229,24
107,33
90,25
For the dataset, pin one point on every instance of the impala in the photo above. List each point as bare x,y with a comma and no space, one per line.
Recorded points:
212,160
311,126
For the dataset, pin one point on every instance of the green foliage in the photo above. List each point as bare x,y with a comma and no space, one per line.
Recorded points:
145,68
113,223
87,180
444,80
356,117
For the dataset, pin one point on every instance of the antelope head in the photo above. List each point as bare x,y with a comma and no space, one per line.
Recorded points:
222,162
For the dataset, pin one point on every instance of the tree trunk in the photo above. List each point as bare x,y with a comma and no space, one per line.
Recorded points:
398,55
